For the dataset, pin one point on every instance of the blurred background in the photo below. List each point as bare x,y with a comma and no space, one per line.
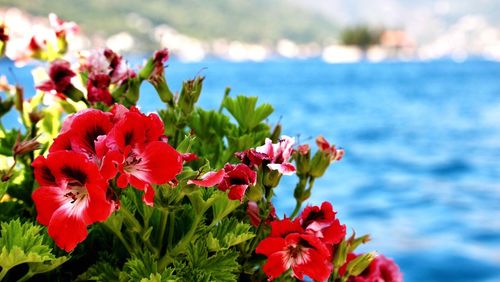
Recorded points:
410,89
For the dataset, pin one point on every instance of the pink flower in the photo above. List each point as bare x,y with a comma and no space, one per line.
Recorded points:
62,28
71,196
278,154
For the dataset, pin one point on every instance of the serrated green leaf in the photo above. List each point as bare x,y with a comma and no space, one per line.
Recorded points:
26,243
101,271
228,233
244,110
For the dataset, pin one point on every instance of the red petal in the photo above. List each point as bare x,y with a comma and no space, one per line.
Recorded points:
284,168
149,195
281,228
67,230
99,208
47,201
322,143
318,267
162,161
270,246
209,179
274,266
86,127
43,174
237,192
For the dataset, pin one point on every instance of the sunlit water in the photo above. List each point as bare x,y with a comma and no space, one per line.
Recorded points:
421,172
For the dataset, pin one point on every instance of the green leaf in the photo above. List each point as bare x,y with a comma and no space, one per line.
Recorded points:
101,271
228,233
141,266
244,110
222,207
221,266
25,243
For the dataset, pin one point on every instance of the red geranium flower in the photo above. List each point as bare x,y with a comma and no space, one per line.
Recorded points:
322,223
143,158
289,247
71,196
60,74
235,178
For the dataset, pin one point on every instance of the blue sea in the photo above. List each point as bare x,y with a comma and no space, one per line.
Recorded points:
421,172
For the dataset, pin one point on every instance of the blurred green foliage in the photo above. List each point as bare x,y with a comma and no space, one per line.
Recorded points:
362,36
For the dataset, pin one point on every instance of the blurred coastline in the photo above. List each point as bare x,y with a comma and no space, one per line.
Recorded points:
468,36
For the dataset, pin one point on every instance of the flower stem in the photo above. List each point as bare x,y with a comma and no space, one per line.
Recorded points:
298,205
163,225
119,235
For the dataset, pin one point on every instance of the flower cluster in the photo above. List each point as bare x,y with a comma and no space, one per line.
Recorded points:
92,148
303,245
237,178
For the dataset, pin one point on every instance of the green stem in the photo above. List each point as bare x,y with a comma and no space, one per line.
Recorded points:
26,276
171,227
3,273
163,225
119,235
167,258
130,218
298,205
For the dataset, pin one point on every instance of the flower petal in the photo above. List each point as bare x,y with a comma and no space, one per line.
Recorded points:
274,266
209,179
66,229
270,246
47,201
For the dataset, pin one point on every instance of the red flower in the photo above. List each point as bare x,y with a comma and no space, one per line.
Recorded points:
278,154
98,89
289,247
72,195
235,178
322,223
251,157
324,145
381,269
144,160
60,74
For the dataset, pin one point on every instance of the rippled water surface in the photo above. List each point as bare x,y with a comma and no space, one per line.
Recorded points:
422,166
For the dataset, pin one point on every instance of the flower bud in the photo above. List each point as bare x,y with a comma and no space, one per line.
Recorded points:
319,163
303,159
360,263
271,178
22,147
190,93
35,116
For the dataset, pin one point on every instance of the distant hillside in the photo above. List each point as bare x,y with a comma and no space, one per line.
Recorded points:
254,21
